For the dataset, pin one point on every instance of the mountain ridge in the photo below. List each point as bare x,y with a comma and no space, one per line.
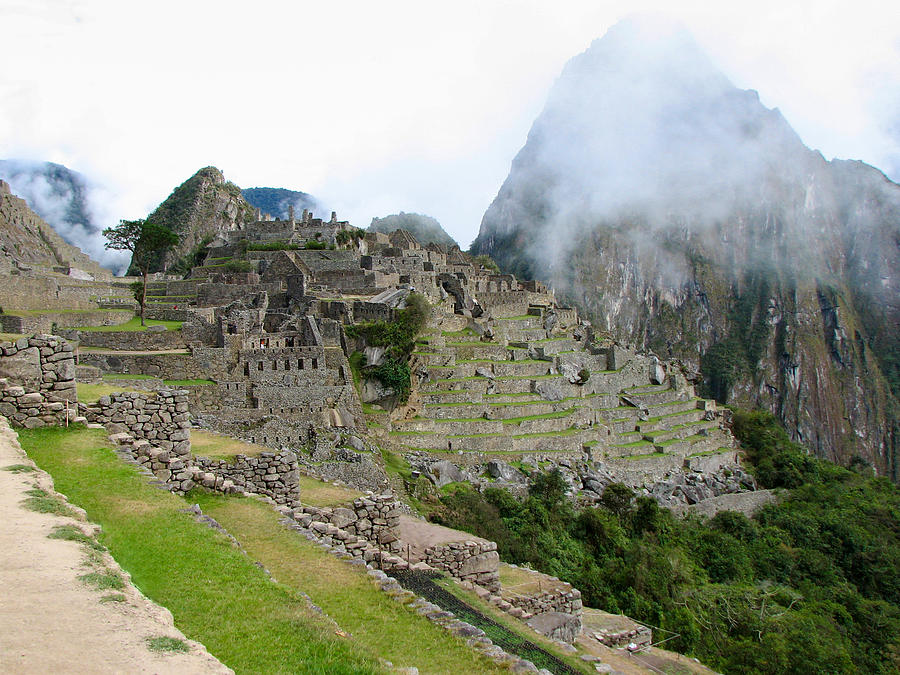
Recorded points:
684,216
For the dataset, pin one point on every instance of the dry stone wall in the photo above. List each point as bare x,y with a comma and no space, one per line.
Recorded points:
275,475
37,381
148,340
473,561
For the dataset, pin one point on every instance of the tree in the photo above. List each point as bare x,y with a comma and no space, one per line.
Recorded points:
146,241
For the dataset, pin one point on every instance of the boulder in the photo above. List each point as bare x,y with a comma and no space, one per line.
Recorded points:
505,472
556,625
443,472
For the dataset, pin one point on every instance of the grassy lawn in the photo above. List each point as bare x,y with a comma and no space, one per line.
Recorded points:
317,492
134,324
11,337
374,620
218,446
215,592
91,393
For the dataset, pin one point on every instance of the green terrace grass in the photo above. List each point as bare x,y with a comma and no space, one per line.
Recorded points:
472,344
91,393
649,455
521,317
216,593
41,312
445,392
708,453
465,332
378,623
517,628
633,444
131,326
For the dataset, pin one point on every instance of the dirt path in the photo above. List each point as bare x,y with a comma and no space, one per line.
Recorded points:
420,534
50,621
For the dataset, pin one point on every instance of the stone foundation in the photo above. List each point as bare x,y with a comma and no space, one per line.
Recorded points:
274,475
477,562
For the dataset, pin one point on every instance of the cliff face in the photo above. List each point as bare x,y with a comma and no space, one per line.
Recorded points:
198,208
682,215
27,241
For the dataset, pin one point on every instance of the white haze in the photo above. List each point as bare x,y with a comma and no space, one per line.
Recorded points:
52,200
374,108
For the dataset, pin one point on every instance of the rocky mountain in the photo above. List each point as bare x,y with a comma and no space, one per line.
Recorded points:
683,216
28,243
65,199
199,208
276,201
425,229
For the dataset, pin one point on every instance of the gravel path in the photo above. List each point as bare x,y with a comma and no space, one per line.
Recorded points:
50,621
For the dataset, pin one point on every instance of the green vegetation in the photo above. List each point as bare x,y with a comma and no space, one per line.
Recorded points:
147,241
73,533
167,644
811,584
132,325
215,592
43,502
19,468
377,623
91,393
193,258
399,339
103,581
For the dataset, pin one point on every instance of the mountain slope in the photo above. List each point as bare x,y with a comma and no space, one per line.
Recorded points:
425,229
198,208
682,215
275,201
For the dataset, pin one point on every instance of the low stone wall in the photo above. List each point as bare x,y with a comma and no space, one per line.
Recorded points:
37,380
275,475
374,517
163,417
143,340
163,366
558,597
473,561
48,321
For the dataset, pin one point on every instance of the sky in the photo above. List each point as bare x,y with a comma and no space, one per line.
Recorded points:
381,107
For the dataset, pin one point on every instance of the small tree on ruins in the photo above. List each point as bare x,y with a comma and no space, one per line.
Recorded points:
145,241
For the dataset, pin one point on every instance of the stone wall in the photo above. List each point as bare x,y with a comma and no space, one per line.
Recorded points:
145,340
162,418
473,561
374,518
553,595
48,321
37,379
274,475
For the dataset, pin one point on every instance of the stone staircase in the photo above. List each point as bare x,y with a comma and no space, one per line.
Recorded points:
512,387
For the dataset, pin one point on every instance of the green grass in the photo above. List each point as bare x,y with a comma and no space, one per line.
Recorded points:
633,444
373,619
19,468
73,533
43,502
113,597
131,326
215,592
103,581
649,455
91,393
167,644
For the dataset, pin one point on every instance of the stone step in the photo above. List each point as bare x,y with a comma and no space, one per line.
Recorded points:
451,396
669,420
428,358
472,349
493,411
674,406
678,431
647,398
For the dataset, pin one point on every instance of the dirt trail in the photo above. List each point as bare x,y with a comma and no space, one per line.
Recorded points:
50,621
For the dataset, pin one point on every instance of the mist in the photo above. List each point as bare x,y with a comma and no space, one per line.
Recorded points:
71,204
644,134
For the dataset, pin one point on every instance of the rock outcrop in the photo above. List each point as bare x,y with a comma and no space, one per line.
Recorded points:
683,216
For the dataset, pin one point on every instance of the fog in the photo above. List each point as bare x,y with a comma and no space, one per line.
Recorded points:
76,208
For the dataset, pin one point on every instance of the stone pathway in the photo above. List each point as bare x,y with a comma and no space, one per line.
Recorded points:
50,621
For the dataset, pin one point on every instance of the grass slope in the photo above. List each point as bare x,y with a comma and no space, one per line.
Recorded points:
215,592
